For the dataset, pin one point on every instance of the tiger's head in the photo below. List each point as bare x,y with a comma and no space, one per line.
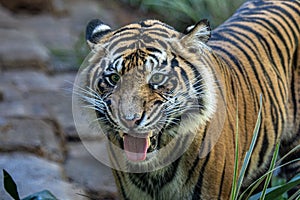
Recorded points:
148,82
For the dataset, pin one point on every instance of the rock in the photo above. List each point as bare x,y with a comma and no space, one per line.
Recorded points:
9,91
33,94
1,96
81,12
17,88
34,81
7,20
33,174
17,108
67,46
20,50
58,106
33,6
31,135
25,81
45,29
82,168
63,45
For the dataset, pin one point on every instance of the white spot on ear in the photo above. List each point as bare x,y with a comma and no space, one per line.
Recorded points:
101,28
188,29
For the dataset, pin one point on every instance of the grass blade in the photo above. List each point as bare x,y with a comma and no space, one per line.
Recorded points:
272,166
289,153
10,185
43,195
249,152
295,196
276,192
234,180
257,182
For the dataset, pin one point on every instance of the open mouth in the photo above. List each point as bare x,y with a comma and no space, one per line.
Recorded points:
136,148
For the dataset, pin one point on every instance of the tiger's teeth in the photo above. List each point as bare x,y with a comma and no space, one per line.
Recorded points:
121,134
148,142
150,134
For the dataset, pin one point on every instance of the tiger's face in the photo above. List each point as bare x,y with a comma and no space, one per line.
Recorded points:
149,83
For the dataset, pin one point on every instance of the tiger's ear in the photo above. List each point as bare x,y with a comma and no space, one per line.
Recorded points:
95,30
198,32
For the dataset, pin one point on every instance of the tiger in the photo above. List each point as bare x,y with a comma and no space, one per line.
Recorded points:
148,83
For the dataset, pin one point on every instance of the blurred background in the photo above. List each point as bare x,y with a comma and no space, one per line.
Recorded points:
41,47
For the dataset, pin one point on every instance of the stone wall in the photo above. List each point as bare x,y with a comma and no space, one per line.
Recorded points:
41,43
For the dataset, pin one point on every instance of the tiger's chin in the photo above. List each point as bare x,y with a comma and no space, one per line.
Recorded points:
140,147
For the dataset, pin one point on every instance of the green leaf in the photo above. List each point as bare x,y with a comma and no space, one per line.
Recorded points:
43,195
234,187
276,192
257,182
249,152
10,185
289,153
272,166
295,196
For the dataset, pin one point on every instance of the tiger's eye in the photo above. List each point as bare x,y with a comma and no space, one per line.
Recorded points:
114,78
157,78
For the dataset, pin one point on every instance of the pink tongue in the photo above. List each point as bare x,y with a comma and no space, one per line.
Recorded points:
135,148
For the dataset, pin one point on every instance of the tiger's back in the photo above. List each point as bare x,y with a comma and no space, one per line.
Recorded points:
260,44
254,52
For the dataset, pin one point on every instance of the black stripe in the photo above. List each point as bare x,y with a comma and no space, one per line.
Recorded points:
293,88
197,190
174,61
237,82
122,39
222,180
124,29
281,89
196,161
263,148
123,192
155,33
144,25
155,58
178,149
121,50
91,75
238,64
294,8
152,182
198,83
162,43
192,169
262,68
164,25
288,14
111,146
282,39
241,67
286,22
154,49
110,119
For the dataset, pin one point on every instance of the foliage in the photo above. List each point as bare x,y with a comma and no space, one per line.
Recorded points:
237,181
10,185
181,13
71,59
11,188
275,192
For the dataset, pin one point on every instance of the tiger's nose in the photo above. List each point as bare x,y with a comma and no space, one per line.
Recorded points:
132,120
